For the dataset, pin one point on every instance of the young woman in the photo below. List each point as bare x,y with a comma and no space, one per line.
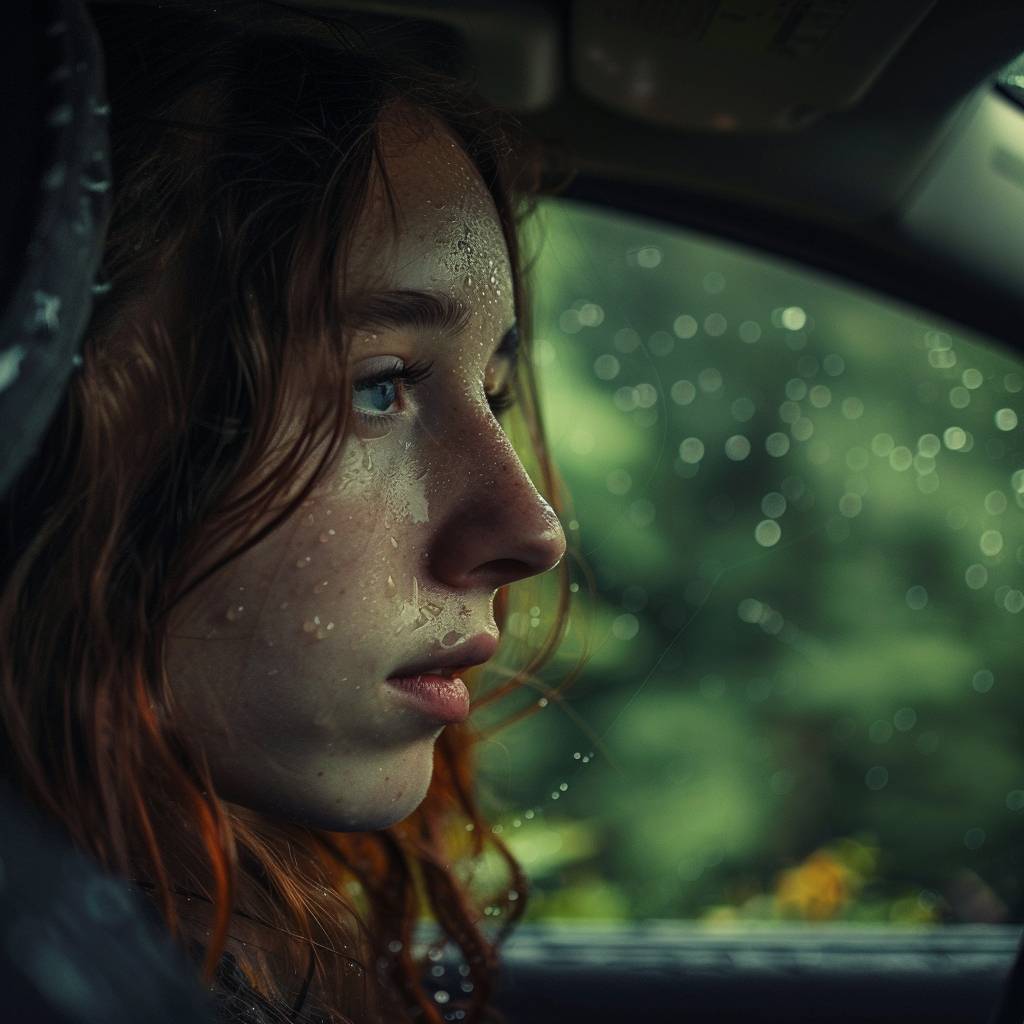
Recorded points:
274,521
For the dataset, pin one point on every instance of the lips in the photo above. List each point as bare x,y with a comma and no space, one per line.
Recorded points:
449,661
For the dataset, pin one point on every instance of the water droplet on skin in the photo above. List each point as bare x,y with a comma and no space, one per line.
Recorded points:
324,537
391,588
321,586
394,543
303,562
367,460
234,613
273,672
469,281
309,626
309,519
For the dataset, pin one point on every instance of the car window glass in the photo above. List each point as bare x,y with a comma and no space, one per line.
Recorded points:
802,506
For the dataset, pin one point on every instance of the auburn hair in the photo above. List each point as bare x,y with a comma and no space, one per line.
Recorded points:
244,145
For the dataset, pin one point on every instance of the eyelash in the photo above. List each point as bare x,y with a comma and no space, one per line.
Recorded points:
414,373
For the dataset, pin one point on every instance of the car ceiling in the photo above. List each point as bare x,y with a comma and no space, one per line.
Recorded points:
813,128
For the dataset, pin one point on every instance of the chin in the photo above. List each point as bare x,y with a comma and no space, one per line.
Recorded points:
380,795
332,815
329,819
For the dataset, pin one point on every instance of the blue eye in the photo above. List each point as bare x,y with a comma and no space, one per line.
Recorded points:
375,395
378,397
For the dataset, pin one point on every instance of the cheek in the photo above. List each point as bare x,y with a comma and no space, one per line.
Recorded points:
334,586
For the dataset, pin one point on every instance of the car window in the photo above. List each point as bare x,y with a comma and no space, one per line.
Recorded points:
800,508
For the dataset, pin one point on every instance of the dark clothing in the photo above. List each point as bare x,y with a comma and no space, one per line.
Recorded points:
78,946
237,1002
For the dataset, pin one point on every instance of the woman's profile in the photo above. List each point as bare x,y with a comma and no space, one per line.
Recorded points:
271,527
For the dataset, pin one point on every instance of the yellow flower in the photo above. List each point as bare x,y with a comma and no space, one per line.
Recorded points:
816,890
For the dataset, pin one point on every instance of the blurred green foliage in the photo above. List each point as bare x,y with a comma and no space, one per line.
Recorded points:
803,508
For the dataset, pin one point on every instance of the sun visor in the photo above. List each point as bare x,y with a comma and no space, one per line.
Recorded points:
738,65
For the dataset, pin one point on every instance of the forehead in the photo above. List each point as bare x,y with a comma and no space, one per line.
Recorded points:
445,235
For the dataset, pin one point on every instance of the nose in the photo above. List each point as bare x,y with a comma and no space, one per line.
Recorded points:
497,528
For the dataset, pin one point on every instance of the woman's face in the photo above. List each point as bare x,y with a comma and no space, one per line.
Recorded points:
280,662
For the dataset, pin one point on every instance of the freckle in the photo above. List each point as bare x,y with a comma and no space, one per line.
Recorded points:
319,775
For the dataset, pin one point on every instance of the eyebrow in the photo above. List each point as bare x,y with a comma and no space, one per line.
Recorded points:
424,310
421,310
